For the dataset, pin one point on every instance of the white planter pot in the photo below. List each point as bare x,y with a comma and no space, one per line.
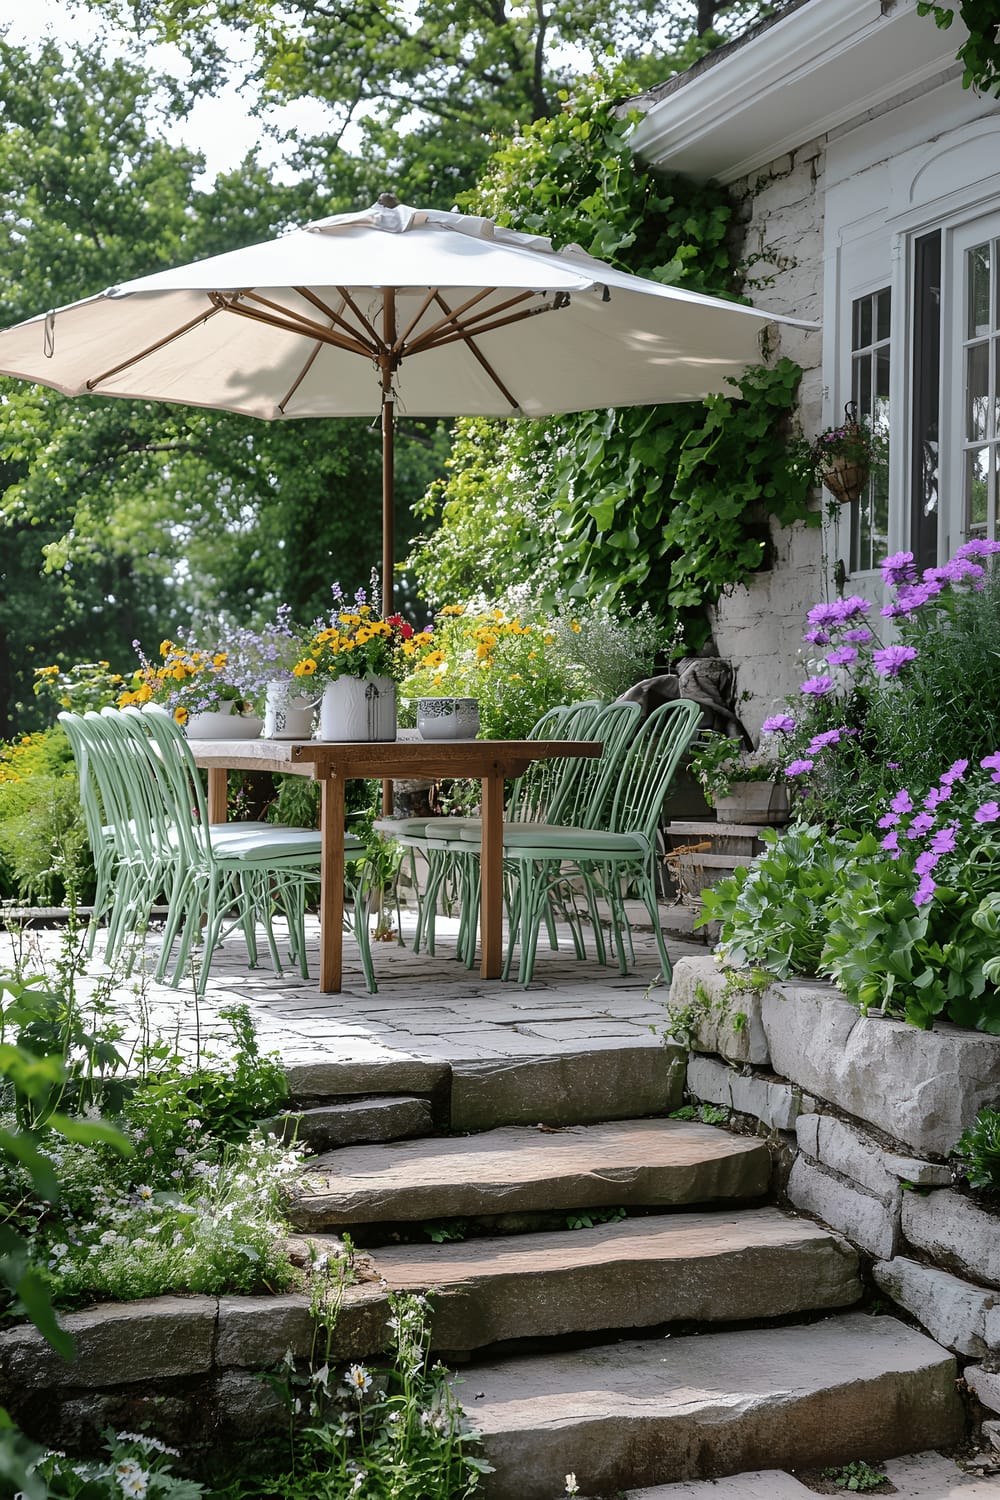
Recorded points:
287,714
357,708
223,724
753,802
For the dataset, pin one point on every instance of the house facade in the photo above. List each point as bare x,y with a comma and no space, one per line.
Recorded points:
868,185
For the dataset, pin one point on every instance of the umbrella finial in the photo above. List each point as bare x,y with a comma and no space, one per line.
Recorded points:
388,200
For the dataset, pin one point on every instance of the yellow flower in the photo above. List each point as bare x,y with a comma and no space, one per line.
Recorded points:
452,609
166,647
220,659
181,715
46,671
574,625
304,668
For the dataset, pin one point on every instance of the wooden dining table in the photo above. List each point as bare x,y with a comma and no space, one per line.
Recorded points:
333,763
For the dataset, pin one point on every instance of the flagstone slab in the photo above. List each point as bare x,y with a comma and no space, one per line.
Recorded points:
652,1411
354,1122
605,1083
716,1267
762,1484
650,1162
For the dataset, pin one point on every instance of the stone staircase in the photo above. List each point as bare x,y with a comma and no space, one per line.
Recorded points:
705,1334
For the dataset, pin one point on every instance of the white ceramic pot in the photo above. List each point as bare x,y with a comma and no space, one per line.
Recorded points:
358,708
447,718
223,724
288,715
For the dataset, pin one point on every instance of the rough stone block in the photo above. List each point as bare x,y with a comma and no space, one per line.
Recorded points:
607,1083
866,1221
356,1122
774,1103
380,1073
893,1076
706,1013
956,1232
985,1383
952,1311
116,1344
859,1157
246,1407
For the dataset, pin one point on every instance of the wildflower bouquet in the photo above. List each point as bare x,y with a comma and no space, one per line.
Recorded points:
353,641
188,681
257,657
843,457
722,761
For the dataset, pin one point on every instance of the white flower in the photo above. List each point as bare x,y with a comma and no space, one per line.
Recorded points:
58,1251
572,1488
145,1192
358,1381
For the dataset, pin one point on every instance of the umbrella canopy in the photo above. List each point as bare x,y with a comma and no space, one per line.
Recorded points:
442,314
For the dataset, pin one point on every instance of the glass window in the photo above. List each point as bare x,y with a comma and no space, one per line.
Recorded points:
980,436
870,366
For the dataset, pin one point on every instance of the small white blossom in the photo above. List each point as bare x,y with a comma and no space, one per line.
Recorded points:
572,1488
358,1381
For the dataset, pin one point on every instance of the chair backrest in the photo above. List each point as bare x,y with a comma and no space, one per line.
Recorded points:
90,792
650,765
532,793
585,790
141,817
172,768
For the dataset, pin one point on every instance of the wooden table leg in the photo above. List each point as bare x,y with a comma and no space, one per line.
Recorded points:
218,794
491,874
331,899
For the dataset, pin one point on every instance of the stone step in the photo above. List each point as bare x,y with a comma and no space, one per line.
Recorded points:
356,1122
722,1267
650,1412
643,1162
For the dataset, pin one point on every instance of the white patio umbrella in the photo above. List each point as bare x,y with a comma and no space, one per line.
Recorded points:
440,314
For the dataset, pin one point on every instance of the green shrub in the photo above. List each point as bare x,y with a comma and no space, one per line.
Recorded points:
44,852
979,1151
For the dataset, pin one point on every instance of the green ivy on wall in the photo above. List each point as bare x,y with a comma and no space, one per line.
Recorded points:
665,505
980,53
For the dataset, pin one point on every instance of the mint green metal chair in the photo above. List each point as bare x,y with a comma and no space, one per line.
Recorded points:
613,853
100,835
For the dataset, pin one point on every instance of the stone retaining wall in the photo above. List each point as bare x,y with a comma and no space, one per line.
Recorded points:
869,1109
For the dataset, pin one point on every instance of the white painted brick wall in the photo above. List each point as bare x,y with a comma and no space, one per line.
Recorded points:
759,627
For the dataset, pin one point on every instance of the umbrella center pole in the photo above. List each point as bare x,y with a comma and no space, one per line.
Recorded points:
388,361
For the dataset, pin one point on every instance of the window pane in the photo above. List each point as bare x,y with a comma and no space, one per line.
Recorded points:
883,304
863,323
977,392
863,385
978,261
977,488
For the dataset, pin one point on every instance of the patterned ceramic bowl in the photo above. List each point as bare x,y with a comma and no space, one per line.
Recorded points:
447,718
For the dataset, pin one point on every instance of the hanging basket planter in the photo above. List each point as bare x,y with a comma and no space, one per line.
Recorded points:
846,479
843,457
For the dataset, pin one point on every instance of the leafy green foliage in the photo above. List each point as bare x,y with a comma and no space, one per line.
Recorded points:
664,505
587,1218
979,1151
857,1476
135,1465
703,1114
44,853
980,52
773,913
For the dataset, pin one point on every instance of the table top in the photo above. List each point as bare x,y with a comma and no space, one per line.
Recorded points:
388,758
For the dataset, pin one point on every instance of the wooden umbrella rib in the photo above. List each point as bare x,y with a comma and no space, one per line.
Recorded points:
402,338
168,338
426,336
480,357
336,315
314,351
462,333
278,316
430,338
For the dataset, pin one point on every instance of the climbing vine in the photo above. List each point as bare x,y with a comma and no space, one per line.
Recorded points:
665,505
980,53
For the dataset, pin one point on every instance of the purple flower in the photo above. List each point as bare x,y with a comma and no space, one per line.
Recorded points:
849,609
799,768
925,891
924,863
817,687
955,773
992,763
978,547
891,843
902,802
987,812
778,724
824,740
888,820
935,796
824,614
955,571
891,659
817,637
899,568
911,598
842,656
922,823
859,633
943,841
